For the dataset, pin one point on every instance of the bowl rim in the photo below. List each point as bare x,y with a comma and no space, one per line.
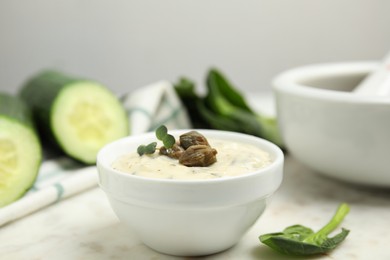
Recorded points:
266,145
287,81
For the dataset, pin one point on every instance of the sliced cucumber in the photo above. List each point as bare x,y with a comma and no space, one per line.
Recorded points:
20,149
85,117
81,116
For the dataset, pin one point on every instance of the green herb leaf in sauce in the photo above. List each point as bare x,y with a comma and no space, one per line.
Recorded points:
169,141
162,135
302,241
147,149
161,132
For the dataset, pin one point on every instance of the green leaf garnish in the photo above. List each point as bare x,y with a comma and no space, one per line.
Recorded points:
161,132
162,135
147,149
141,149
168,141
150,148
302,241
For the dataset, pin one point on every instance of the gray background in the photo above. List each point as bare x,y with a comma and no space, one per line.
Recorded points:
128,44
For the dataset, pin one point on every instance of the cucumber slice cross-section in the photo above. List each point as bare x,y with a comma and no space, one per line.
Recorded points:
84,117
79,116
20,150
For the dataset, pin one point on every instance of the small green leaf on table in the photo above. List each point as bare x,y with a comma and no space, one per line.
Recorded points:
302,241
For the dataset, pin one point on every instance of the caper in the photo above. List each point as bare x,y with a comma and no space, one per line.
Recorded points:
192,138
198,155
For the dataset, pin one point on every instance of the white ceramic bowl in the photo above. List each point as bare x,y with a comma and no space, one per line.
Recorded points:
188,217
331,129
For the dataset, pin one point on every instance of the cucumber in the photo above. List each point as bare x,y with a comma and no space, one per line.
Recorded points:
79,116
20,149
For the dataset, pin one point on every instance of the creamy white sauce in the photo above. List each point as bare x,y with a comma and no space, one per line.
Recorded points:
233,159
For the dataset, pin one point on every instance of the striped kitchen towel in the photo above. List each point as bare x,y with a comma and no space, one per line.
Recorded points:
155,105
59,178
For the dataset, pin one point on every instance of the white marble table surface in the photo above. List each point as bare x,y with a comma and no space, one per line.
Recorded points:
85,227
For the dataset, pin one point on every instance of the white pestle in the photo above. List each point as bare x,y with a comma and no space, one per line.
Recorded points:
377,83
